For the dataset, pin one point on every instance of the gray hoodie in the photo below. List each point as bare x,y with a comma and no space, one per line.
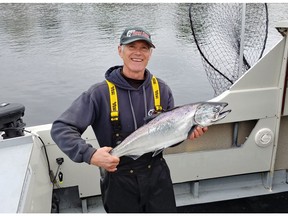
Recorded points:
92,107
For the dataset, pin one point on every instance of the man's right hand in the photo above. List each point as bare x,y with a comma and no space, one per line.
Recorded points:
102,158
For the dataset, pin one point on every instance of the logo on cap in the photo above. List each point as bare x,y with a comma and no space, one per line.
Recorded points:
132,33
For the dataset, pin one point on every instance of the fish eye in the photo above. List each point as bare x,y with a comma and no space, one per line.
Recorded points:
216,109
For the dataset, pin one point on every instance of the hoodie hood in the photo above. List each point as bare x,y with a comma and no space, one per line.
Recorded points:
113,75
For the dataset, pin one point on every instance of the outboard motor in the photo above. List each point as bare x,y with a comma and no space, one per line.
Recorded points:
10,120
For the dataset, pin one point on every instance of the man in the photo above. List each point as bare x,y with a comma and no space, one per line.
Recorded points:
127,185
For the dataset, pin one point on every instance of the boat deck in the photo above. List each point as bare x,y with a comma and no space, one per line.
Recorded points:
275,203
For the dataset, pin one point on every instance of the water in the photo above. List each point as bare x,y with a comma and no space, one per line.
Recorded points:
50,53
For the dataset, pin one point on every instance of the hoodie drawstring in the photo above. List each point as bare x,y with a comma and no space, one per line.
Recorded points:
145,101
132,109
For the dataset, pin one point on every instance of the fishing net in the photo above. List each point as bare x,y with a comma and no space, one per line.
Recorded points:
217,30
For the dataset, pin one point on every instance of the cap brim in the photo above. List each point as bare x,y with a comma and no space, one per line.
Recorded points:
138,39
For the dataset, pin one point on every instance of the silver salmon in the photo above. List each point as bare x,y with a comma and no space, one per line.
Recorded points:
169,128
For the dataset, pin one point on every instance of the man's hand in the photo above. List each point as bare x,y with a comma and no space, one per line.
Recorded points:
198,131
102,158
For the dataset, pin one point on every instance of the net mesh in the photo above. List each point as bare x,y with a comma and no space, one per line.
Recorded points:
217,33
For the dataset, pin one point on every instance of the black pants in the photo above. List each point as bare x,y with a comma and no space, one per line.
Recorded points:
145,188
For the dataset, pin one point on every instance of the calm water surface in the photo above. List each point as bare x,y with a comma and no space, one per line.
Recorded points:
50,53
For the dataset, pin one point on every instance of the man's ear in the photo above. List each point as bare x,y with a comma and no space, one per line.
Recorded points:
120,50
151,50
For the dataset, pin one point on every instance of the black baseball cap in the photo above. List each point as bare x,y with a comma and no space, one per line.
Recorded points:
132,34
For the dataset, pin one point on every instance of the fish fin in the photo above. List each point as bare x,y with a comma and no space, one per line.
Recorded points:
158,151
154,115
191,131
149,118
134,157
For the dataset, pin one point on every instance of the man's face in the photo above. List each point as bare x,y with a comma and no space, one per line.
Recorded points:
135,56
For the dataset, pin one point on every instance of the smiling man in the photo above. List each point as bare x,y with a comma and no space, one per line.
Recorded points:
115,108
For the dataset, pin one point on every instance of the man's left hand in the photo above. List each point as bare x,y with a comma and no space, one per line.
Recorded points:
198,131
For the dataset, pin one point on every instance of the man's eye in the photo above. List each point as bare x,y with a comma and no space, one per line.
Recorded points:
145,48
